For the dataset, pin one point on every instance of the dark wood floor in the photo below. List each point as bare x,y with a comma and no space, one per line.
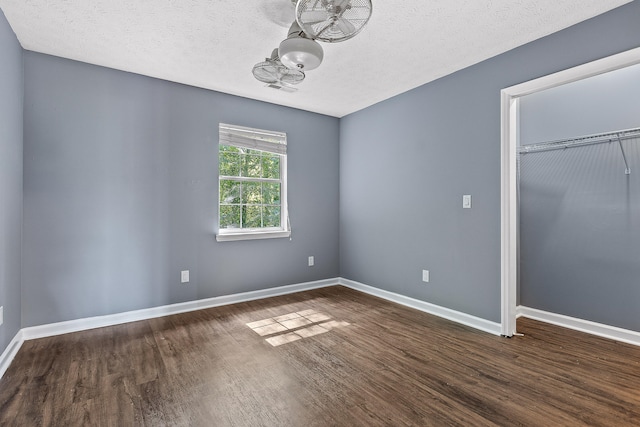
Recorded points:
351,360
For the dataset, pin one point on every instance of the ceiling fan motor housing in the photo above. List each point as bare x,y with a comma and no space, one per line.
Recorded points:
299,52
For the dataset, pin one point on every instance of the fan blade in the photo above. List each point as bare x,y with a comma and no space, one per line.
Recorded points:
311,24
314,16
317,34
279,72
264,77
345,26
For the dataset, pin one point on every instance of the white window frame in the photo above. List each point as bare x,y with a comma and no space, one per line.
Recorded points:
262,140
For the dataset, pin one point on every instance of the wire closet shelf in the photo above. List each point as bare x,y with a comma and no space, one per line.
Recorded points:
600,138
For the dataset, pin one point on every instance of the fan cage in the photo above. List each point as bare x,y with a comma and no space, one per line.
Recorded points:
332,21
273,71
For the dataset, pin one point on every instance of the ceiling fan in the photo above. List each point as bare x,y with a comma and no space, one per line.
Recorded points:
328,21
332,21
272,72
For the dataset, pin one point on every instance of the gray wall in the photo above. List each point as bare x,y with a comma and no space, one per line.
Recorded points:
406,162
120,185
580,233
580,228
120,190
11,92
603,103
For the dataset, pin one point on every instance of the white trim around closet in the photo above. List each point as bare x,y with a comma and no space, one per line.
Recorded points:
509,131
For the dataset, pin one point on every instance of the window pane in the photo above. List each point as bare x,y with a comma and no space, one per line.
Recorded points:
229,149
271,166
251,165
229,192
230,216
252,217
271,217
251,194
271,193
229,164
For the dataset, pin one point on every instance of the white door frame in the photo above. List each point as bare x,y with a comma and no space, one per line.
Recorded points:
508,184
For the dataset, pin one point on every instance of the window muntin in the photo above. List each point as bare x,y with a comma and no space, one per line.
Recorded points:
252,184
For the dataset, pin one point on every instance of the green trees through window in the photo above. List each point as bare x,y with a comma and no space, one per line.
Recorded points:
250,188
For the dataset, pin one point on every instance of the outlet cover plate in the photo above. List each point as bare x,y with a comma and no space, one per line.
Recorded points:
184,276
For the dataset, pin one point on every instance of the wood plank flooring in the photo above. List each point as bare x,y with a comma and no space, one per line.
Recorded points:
328,357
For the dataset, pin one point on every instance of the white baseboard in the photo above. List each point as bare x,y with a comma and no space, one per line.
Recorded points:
53,329
10,352
599,329
455,316
77,325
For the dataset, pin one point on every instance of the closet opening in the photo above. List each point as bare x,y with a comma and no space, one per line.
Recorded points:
552,146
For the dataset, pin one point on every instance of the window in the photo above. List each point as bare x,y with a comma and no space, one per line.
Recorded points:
252,172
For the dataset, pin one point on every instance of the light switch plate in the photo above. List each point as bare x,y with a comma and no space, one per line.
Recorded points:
425,276
466,201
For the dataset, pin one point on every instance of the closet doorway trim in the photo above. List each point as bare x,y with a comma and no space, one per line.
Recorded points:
508,188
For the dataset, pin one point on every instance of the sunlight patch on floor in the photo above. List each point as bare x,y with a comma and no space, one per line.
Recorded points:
291,327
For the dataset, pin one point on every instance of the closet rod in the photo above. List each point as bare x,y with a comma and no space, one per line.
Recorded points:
582,141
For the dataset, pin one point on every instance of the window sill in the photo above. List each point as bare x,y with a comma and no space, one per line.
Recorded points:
231,237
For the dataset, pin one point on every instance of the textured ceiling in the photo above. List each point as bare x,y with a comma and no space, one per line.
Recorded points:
215,43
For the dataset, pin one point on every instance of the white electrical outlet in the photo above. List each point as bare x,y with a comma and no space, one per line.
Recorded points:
1,315
184,276
312,261
425,276
466,201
